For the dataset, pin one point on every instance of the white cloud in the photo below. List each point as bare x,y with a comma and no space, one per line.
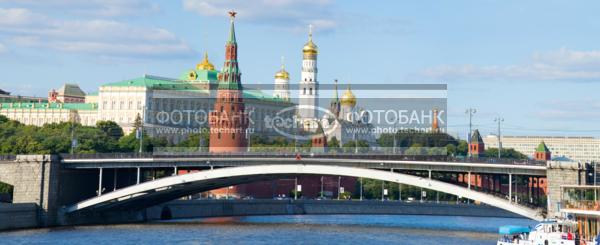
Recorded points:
96,36
563,64
571,110
104,8
291,14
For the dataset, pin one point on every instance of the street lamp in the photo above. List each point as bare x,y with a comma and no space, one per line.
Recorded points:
470,112
499,120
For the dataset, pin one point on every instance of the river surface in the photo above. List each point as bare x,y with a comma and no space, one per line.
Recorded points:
292,229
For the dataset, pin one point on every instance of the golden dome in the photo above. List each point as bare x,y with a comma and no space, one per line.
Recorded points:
205,64
310,47
348,99
282,74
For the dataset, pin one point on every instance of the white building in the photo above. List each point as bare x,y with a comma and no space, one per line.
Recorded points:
583,149
170,108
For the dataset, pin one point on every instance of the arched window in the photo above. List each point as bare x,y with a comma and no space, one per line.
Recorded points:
310,91
304,91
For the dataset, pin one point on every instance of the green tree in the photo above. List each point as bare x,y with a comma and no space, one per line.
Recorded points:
333,145
137,123
6,188
506,153
111,129
462,149
416,150
194,140
16,138
350,146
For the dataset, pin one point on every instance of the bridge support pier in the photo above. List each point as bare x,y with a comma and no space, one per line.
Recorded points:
35,179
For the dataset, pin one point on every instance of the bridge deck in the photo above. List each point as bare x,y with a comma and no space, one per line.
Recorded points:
233,161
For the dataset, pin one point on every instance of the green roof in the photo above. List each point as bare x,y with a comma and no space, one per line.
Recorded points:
51,106
175,84
153,82
542,147
259,95
201,75
95,93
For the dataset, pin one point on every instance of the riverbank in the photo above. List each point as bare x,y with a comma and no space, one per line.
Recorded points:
18,216
219,208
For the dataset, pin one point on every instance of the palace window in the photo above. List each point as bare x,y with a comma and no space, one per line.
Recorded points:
304,91
310,91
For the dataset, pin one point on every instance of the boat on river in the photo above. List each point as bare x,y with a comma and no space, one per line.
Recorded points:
548,232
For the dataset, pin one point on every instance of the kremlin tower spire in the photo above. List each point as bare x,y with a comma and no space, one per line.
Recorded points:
334,106
229,120
309,86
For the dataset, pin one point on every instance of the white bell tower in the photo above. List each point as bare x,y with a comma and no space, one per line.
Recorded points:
309,86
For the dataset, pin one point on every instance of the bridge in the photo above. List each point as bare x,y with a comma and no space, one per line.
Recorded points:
74,184
166,189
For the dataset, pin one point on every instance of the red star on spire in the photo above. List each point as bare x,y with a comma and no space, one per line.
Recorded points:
232,13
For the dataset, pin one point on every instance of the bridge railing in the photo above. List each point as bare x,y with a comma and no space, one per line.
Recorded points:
308,155
127,155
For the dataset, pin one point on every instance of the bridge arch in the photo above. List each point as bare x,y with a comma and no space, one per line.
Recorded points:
161,190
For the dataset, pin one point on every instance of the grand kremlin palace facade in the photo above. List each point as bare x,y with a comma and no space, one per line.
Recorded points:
164,104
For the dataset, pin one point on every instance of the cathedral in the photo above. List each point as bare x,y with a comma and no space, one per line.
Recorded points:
346,121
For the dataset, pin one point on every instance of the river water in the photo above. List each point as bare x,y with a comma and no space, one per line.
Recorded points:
300,229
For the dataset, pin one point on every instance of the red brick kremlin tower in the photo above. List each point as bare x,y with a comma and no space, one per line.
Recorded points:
476,146
229,120
542,153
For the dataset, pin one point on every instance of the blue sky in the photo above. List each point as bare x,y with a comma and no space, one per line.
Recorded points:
534,63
